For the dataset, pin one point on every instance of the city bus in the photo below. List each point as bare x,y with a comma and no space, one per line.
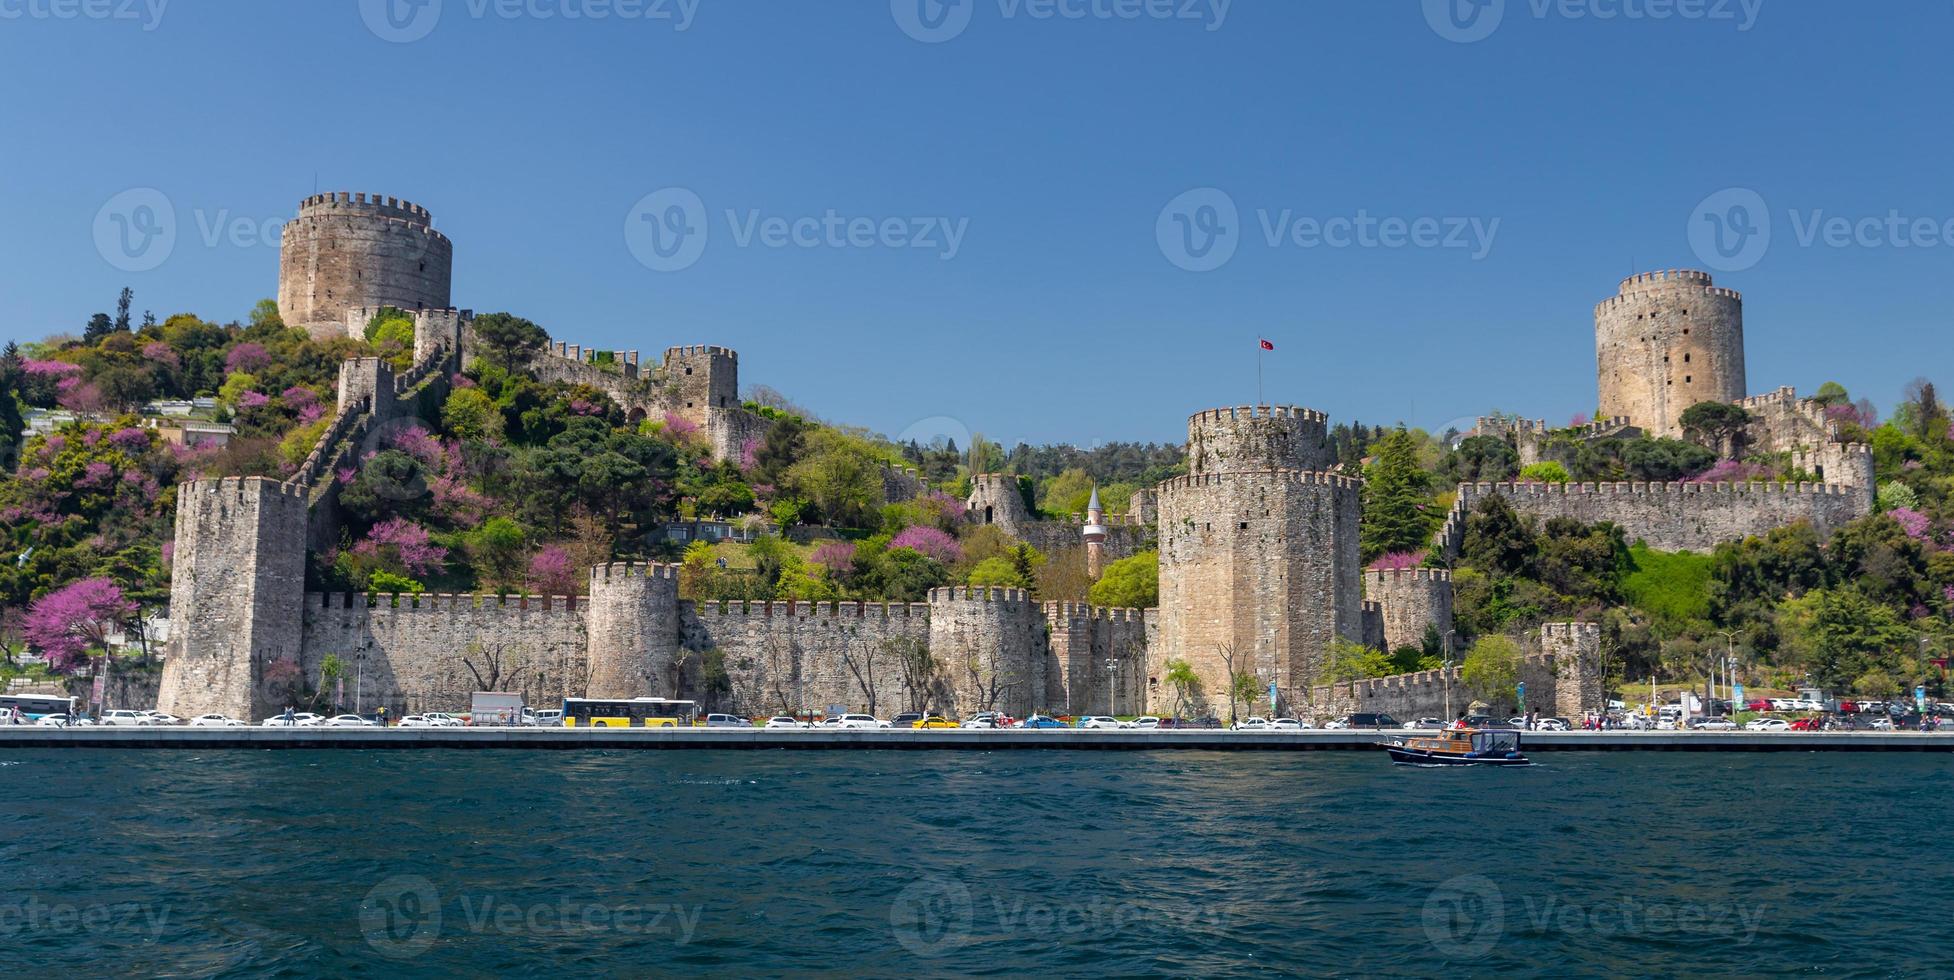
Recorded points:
635,713
34,707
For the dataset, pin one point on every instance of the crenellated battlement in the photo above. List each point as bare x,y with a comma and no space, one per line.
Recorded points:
1570,632
996,594
700,350
1082,612
1646,280
243,488
1182,484
439,602
1653,489
1786,395
342,202
621,571
1246,412
1405,576
626,360
729,609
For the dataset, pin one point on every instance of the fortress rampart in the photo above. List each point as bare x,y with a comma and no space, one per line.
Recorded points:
1562,671
1414,600
1670,516
347,250
1258,437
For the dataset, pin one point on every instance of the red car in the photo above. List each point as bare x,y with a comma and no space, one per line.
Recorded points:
1806,725
1758,705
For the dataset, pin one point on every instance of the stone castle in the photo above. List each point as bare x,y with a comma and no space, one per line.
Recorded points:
1259,563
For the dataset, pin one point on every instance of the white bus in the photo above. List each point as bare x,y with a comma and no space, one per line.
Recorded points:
34,707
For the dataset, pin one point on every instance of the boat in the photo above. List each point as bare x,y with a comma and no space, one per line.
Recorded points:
1459,747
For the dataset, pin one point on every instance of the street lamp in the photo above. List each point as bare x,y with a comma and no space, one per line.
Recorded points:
1445,673
1112,693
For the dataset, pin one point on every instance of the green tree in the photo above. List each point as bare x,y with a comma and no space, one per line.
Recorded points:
1545,472
1841,635
510,340
1184,681
1396,517
1129,583
1716,425
497,551
471,415
1351,661
1491,668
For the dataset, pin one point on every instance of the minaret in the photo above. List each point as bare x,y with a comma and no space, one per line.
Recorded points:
1095,537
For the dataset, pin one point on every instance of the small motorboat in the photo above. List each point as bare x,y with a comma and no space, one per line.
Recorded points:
1459,747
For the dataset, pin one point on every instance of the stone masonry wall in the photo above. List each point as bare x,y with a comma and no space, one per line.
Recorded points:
1664,342
994,647
352,250
1671,516
432,652
784,657
1261,437
1412,600
1085,639
1562,672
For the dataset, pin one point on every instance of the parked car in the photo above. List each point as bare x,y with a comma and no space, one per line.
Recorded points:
934,721
160,718
303,719
126,719
727,721
1482,721
347,721
778,722
54,721
414,721
1424,724
857,721
1042,722
1289,724
1554,725
1716,725
215,721
906,719
1881,724
983,719
1147,723
1758,704
1768,725
1251,725
1098,722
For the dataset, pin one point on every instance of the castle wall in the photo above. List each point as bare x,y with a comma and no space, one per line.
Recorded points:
359,250
1670,516
1563,675
784,657
1263,564
632,616
235,589
1084,641
432,652
1664,342
994,647
1259,437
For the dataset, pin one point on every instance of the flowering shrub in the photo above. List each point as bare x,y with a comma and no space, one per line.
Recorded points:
929,542
1917,525
835,556
65,623
680,428
403,543
248,358
157,352
552,572
1399,561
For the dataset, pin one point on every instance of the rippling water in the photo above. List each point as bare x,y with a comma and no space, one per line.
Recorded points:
751,863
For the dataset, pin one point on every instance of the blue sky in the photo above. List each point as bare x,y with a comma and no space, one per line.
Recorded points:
1054,145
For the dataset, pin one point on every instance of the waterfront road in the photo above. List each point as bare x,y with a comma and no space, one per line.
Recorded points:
25,737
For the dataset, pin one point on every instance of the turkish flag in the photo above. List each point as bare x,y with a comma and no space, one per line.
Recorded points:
1268,346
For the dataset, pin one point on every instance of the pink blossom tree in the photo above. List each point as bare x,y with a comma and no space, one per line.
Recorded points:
404,544
929,542
1399,561
837,557
552,572
247,357
66,623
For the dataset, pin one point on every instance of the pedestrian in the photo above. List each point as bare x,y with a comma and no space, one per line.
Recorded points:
383,716
288,716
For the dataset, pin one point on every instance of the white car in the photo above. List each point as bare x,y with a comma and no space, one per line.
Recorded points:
1551,725
551,718
1252,725
858,721
348,721
1768,725
782,721
127,718
1289,724
1148,723
159,718
415,721
1099,722
983,719
54,721
1715,725
215,721
1884,723
303,719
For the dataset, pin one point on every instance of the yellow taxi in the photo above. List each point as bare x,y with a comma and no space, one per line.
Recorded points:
934,721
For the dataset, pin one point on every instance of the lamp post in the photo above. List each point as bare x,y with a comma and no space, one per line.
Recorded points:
1112,692
1445,673
1730,665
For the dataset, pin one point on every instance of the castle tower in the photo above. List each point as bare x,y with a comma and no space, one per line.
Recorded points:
995,647
632,623
703,380
1262,437
237,585
1412,600
995,499
360,250
1665,342
1259,567
1095,535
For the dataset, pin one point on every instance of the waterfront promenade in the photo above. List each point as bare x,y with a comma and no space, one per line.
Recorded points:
572,739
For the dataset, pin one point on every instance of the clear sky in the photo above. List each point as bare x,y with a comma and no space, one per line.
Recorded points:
1067,300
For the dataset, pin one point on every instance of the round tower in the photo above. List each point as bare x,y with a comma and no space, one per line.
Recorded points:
1258,574
995,499
1664,342
1262,437
632,626
1413,600
349,250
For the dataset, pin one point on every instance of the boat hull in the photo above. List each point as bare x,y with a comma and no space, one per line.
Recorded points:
1418,757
